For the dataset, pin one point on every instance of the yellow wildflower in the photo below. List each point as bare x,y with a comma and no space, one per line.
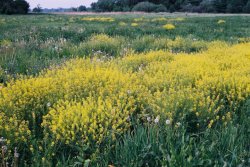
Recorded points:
169,26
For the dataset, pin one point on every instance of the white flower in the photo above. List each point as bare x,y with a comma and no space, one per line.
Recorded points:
149,119
157,119
16,154
2,140
4,149
178,124
48,104
168,122
128,118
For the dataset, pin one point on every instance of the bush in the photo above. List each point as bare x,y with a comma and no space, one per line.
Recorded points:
149,7
148,43
160,8
207,6
172,9
90,121
82,8
37,9
101,44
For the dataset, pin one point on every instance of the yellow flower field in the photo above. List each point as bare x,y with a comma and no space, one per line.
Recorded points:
86,100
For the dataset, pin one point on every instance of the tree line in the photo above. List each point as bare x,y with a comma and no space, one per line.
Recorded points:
201,6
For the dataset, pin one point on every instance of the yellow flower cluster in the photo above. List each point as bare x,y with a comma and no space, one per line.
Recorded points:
14,130
101,19
2,21
186,44
221,22
91,120
102,38
5,43
134,24
102,43
247,39
169,26
122,23
177,19
87,100
158,19
141,19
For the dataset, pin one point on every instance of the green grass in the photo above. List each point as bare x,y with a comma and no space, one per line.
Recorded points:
37,41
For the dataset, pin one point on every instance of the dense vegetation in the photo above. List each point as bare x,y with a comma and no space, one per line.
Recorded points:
215,6
124,90
14,7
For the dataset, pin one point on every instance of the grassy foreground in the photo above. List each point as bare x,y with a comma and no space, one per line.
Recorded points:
127,90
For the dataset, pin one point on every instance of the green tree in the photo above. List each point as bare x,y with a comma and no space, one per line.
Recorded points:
149,7
37,9
14,7
246,8
235,6
82,8
207,6
220,6
195,2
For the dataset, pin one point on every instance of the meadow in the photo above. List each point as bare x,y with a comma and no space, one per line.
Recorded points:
124,90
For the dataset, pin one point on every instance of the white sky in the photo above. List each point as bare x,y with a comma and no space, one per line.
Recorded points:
59,3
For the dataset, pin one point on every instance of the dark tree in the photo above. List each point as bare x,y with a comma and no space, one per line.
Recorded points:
14,7
246,9
195,2
219,6
235,6
82,8
37,9
74,9
149,7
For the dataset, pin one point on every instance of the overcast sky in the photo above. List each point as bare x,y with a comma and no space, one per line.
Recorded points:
59,3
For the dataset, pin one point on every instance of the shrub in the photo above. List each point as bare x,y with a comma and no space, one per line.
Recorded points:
169,26
8,129
91,121
207,6
102,45
149,43
149,7
82,8
160,8
37,9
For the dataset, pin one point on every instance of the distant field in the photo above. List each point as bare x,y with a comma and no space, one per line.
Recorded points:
34,42
125,89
